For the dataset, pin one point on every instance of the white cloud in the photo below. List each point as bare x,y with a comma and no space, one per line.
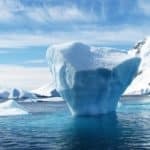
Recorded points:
92,36
144,5
15,10
23,77
35,61
70,13
8,10
14,40
5,12
59,14
37,14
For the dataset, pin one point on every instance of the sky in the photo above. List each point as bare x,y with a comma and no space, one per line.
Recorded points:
28,27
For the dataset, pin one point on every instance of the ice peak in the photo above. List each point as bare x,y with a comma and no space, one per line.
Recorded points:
141,84
142,48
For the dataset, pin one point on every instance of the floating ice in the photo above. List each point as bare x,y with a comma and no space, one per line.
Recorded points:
11,107
4,94
16,93
91,80
47,90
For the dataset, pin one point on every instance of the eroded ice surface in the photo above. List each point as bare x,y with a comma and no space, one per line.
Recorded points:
91,80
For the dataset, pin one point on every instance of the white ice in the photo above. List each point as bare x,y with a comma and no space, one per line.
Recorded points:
47,90
141,84
15,93
11,107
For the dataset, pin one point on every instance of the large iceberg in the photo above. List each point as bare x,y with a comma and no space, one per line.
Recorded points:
91,80
141,84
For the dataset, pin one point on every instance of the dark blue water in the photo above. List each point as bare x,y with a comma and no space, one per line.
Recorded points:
128,129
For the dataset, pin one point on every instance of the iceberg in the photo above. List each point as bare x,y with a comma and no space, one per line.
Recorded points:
11,107
91,80
141,83
4,94
47,90
15,93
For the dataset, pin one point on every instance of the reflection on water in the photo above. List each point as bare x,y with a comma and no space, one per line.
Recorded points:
94,133
57,130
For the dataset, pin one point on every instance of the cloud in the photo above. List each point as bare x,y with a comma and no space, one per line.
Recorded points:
18,11
65,21
35,61
90,35
5,13
69,13
14,40
37,14
144,6
23,77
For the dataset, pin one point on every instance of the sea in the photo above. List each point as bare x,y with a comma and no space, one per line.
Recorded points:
50,126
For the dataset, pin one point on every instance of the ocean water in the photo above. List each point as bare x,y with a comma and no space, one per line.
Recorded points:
53,128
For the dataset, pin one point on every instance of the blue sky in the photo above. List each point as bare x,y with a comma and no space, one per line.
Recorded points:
28,27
